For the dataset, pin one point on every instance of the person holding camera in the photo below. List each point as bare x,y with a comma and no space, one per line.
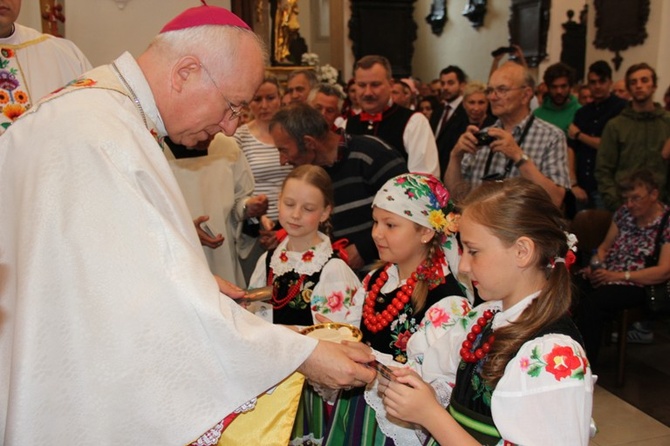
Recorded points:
518,144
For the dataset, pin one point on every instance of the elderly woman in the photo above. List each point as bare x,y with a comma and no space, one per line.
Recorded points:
619,283
476,105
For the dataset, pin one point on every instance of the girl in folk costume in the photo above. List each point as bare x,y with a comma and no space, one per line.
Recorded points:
516,365
305,256
308,278
414,231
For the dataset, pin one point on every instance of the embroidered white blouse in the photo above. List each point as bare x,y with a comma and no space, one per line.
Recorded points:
334,296
545,396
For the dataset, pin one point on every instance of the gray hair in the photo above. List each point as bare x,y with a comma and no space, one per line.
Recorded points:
300,120
328,90
215,45
309,74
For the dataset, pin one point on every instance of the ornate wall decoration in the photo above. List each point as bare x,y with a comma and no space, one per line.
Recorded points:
620,24
573,42
528,28
475,11
438,16
386,28
53,18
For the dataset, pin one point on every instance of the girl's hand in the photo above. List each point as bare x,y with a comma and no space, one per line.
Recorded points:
409,397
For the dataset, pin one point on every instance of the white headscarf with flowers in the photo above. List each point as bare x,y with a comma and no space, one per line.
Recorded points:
423,199
420,198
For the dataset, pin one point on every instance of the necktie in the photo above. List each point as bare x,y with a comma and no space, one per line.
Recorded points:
445,118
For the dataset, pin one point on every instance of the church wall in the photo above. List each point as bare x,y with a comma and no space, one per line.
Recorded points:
652,51
102,31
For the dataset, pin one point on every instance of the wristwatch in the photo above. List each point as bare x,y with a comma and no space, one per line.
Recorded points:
626,275
522,160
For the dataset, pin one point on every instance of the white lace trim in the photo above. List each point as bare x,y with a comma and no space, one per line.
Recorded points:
246,407
309,439
401,434
211,437
294,260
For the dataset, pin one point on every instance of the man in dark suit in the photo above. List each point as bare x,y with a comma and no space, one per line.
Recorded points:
452,122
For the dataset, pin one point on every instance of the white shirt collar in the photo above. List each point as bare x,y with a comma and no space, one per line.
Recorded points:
455,103
133,74
511,314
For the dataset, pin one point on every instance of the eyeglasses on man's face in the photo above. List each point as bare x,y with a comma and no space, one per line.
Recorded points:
235,110
501,90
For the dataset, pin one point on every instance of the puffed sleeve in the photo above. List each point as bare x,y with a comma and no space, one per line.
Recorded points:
433,352
546,394
335,296
439,320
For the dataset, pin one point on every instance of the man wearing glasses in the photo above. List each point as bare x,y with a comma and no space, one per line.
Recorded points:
112,328
518,144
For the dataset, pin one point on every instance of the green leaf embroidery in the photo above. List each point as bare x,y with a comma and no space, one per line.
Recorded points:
534,370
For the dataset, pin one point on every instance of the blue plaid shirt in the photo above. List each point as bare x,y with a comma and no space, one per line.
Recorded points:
545,145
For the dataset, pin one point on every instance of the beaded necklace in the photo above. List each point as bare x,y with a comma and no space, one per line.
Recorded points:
293,291
376,322
467,352
428,271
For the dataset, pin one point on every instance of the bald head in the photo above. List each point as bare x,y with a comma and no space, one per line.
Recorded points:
511,88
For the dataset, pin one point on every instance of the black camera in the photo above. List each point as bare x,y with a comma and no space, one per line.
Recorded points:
503,50
483,138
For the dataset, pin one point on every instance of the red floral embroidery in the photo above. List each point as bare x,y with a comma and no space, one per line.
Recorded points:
403,337
335,301
561,361
524,363
307,256
283,257
437,316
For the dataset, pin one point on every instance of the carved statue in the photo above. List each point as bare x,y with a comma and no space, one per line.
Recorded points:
286,28
438,16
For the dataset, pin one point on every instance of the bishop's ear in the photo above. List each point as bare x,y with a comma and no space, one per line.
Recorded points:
183,71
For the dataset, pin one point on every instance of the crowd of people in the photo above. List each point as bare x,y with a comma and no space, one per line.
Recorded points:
141,200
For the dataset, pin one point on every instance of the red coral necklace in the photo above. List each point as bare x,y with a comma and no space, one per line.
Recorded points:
376,322
293,290
467,353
